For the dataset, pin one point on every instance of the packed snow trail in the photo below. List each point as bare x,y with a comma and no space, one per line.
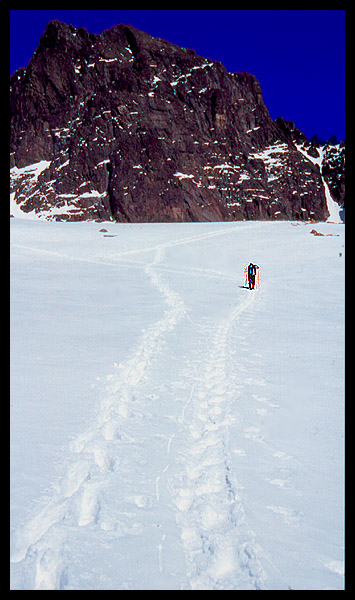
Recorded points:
176,478
78,496
220,548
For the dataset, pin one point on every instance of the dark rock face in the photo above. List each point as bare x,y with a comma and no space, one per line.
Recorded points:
333,170
332,159
128,127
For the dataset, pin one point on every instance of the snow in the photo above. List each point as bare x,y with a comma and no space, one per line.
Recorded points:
225,167
33,171
183,175
334,209
107,60
272,159
171,429
336,212
30,173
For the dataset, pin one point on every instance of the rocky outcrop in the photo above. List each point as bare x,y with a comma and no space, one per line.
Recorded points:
123,126
329,156
333,170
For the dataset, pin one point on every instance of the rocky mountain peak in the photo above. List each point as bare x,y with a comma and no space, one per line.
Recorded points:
129,127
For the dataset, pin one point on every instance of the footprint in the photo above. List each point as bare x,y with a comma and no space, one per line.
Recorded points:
281,483
240,452
212,426
102,458
336,566
219,389
111,431
123,410
143,501
23,539
48,568
194,471
290,516
76,474
196,431
225,559
212,485
211,517
184,499
89,505
216,400
191,538
80,441
262,399
282,455
217,410
253,433
107,523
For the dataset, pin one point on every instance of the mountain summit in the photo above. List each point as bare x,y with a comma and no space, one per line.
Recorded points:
127,127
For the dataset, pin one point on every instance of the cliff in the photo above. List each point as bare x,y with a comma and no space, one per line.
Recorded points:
128,127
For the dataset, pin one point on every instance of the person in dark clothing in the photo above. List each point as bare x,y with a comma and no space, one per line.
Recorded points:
251,275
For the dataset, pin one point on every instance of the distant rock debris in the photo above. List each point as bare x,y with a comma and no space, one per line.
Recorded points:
315,232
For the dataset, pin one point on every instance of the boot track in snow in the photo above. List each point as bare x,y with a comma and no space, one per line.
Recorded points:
220,549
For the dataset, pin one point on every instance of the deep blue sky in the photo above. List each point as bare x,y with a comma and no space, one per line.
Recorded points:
298,56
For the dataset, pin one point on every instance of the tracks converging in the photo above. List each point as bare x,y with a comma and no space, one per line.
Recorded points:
220,549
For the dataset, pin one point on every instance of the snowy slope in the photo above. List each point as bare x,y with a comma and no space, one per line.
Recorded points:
171,429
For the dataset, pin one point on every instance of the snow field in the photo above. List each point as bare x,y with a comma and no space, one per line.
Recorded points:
169,428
